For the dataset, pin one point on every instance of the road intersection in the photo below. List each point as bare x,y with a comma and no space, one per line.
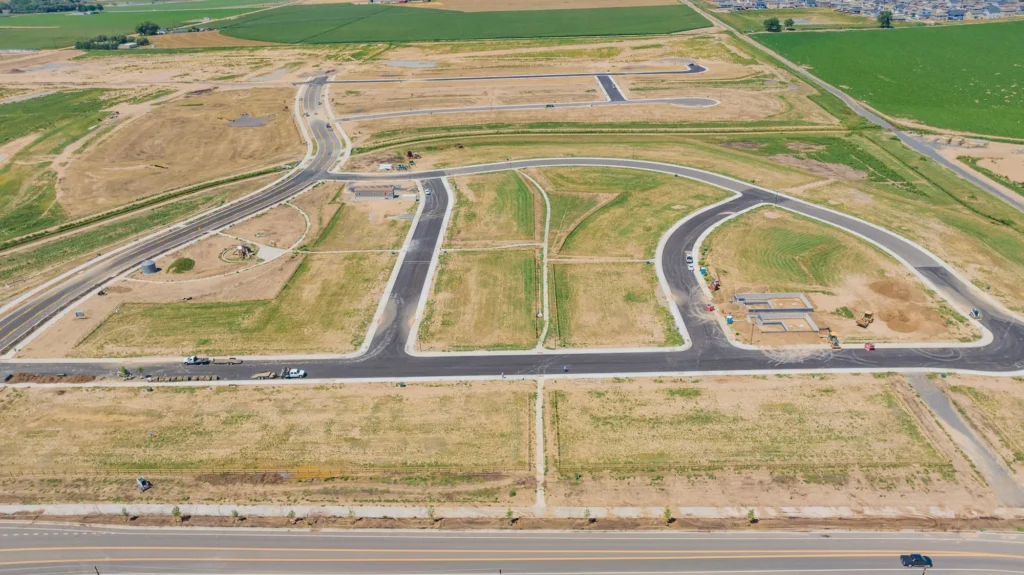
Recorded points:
708,348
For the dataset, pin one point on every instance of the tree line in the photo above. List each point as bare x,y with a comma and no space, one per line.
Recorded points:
104,42
43,6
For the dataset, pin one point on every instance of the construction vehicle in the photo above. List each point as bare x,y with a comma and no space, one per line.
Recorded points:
834,341
866,320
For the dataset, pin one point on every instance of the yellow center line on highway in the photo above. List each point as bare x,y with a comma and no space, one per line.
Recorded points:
721,555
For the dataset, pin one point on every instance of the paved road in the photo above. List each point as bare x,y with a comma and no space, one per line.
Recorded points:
41,548
23,319
925,148
690,69
610,88
709,352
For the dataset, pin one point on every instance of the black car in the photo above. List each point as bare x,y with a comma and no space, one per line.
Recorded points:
916,560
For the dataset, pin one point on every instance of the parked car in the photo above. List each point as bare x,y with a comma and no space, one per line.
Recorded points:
916,560
295,374
549,105
143,483
196,360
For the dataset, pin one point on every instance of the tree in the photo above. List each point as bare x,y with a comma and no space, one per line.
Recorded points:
789,23
147,28
885,19
772,25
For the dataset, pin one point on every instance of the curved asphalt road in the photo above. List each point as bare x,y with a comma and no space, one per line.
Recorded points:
23,319
31,548
710,350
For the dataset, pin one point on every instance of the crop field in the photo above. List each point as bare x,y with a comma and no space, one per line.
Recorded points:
609,305
636,209
17,267
455,442
956,77
326,307
993,405
869,437
804,19
484,300
48,31
334,23
492,207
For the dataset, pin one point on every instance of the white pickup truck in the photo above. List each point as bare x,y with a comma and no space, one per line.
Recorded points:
294,373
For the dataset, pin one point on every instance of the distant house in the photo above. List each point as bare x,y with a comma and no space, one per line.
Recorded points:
128,46
991,12
955,14
373,191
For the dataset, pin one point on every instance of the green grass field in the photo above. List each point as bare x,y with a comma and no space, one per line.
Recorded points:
964,78
805,19
496,206
333,23
43,31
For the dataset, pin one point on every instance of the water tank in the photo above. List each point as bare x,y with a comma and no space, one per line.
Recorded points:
148,267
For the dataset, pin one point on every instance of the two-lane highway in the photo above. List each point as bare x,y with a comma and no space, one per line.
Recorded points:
41,548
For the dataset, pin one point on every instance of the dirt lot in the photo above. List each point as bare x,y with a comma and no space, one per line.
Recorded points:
451,442
993,406
676,149
280,227
496,208
368,224
771,250
752,442
211,39
1007,160
183,142
609,305
484,300
213,256
377,98
631,211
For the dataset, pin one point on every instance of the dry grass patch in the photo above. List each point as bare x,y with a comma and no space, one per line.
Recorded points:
325,307
804,440
367,225
183,142
279,227
493,207
644,206
455,441
211,39
484,300
609,305
774,250
993,405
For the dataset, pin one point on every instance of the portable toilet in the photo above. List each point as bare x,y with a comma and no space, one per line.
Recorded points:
728,319
148,267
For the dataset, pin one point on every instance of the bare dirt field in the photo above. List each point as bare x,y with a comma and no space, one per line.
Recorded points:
211,39
735,441
367,224
279,227
183,142
211,256
484,300
771,250
1007,160
992,405
494,209
443,442
609,305
378,98
631,211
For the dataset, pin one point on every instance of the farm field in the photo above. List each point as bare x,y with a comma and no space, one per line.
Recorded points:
326,306
182,142
803,18
628,214
773,250
484,300
174,6
452,442
992,405
608,305
493,208
48,31
346,23
750,442
954,77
